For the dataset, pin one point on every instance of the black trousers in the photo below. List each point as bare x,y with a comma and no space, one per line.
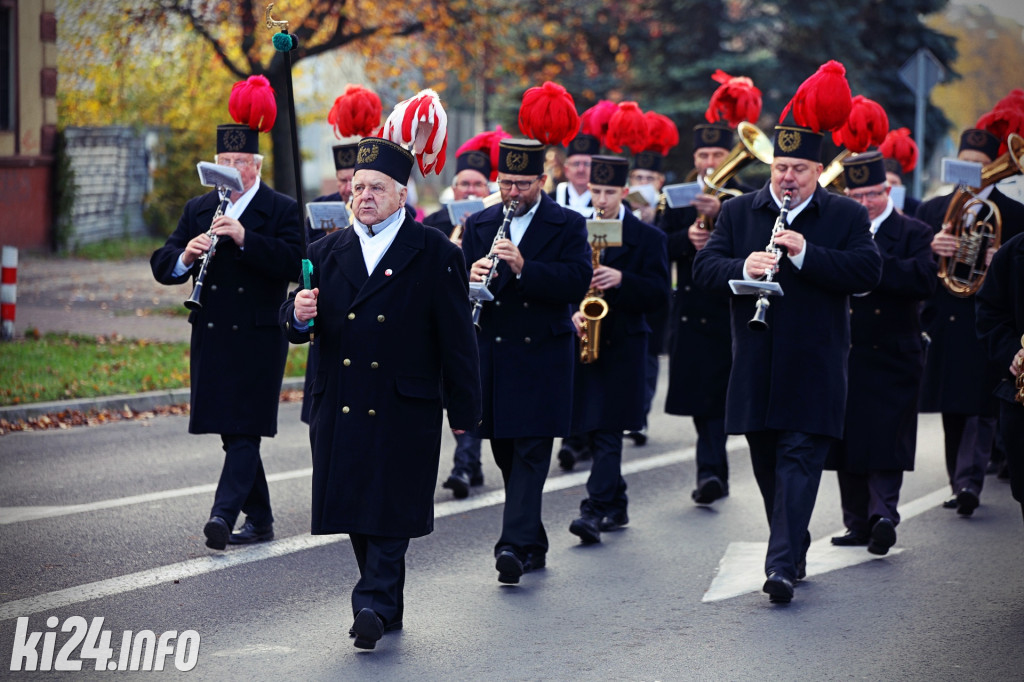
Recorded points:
606,489
968,441
381,576
868,497
711,456
787,466
243,484
1011,425
524,464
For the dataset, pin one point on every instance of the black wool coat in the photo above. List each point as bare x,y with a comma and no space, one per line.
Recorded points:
887,354
958,376
792,377
237,351
1000,312
527,346
388,346
609,393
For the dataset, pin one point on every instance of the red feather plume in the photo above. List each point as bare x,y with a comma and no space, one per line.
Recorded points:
627,128
548,114
252,103
823,101
900,146
866,126
662,133
355,113
1007,117
736,100
595,119
488,142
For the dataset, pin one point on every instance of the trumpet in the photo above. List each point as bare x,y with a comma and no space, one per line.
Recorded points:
594,309
977,224
479,291
758,322
192,303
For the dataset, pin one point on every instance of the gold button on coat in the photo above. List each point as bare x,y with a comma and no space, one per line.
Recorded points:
346,362
372,413
344,410
380,318
374,365
351,316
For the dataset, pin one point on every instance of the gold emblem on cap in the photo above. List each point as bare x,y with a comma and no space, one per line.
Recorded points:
710,135
602,173
476,160
579,143
516,161
368,153
977,138
234,140
346,157
789,140
858,174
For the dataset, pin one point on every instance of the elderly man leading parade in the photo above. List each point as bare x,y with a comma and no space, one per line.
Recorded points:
393,332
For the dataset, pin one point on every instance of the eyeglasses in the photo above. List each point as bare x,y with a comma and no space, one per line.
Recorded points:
521,185
578,164
237,163
872,194
471,185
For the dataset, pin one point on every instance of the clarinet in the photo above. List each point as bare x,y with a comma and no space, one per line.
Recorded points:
193,301
478,303
758,323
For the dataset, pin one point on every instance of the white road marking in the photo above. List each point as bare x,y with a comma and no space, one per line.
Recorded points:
16,514
741,569
244,555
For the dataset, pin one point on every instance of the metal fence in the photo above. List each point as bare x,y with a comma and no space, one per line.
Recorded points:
111,172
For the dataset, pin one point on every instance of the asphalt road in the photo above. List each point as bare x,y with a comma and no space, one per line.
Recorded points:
106,522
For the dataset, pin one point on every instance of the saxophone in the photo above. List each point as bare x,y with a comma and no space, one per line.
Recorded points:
594,309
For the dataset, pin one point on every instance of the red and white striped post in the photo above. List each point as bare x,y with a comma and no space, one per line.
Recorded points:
8,290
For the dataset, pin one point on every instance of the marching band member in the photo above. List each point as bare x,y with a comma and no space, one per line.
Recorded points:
237,355
573,193
958,375
608,395
787,387
527,352
393,334
885,367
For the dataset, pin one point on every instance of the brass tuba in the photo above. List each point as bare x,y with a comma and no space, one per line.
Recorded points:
753,144
833,171
977,224
594,309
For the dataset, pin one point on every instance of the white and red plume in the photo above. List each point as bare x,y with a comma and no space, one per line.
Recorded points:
420,124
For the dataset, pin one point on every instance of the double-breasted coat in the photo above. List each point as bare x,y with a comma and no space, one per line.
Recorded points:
609,393
527,347
958,376
388,346
887,354
238,353
792,377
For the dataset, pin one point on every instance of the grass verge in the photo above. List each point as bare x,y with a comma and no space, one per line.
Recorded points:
68,366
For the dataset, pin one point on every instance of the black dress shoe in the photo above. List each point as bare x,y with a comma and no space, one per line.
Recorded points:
851,539
778,588
950,503
217,533
390,627
368,628
614,521
588,529
509,567
801,569
708,490
250,534
476,479
458,483
638,437
883,536
966,502
535,561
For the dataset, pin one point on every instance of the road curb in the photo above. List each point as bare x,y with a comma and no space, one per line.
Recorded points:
136,402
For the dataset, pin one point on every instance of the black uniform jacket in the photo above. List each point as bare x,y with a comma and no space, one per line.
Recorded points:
609,393
238,352
440,220
793,376
958,376
386,346
700,343
1000,312
887,354
527,347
